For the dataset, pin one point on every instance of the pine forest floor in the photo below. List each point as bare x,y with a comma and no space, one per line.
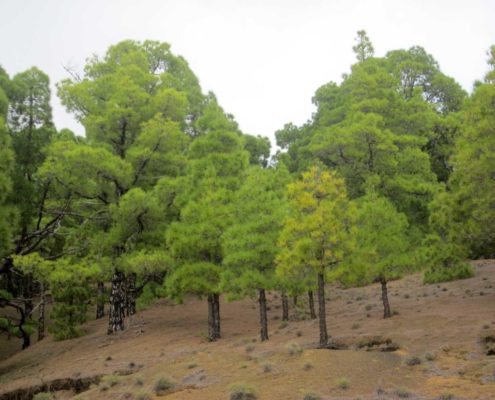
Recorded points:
441,327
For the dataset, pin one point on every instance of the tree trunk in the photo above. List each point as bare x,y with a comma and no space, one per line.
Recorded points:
263,318
117,303
27,293
41,314
321,309
386,304
216,309
311,301
100,300
295,301
285,307
211,318
131,294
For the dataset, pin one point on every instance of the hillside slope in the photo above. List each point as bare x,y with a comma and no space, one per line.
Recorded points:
443,325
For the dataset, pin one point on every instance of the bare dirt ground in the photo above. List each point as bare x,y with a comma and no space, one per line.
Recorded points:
441,325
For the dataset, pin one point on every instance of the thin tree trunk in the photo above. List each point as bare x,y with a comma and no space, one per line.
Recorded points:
285,307
216,309
100,300
211,318
311,301
263,318
321,309
131,294
117,303
41,314
27,292
386,304
295,300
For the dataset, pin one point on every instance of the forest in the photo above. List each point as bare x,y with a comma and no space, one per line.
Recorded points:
166,197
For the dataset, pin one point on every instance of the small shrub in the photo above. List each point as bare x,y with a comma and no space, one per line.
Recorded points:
143,396
406,296
299,333
192,365
368,307
430,356
355,326
294,349
311,396
266,368
395,312
402,393
283,325
111,380
241,391
413,360
249,348
343,383
162,385
446,396
486,326
307,365
43,396
139,381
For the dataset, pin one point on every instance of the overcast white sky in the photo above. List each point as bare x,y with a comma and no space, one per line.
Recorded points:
263,59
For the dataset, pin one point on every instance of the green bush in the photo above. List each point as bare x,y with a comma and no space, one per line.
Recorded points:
343,383
162,385
446,274
294,349
241,391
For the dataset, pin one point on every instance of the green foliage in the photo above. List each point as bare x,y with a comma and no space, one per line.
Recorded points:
250,243
71,289
6,166
317,232
446,274
382,250
363,48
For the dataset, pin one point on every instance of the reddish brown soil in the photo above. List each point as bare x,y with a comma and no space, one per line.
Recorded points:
166,340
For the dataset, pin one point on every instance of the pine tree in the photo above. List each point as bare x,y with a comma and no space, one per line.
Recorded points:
250,243
317,232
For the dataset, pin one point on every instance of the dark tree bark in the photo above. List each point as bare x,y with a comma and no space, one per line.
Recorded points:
311,301
322,312
131,294
216,309
285,307
295,301
41,314
211,318
27,293
100,300
386,305
117,303
263,318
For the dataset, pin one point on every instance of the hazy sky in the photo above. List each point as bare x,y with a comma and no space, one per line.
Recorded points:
263,59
